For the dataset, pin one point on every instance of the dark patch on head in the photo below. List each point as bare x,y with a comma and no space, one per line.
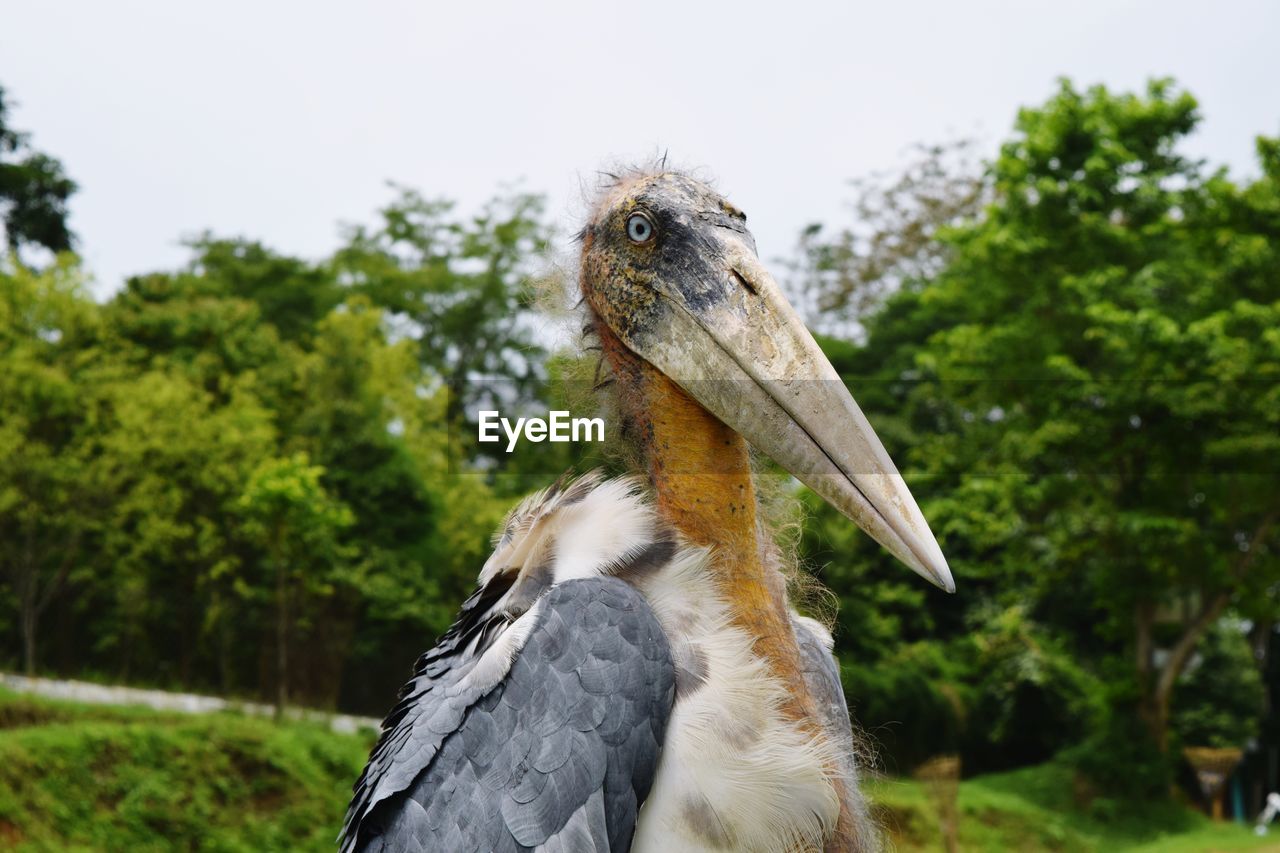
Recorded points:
648,559
691,252
692,669
702,819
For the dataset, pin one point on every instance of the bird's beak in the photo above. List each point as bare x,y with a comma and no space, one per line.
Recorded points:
742,352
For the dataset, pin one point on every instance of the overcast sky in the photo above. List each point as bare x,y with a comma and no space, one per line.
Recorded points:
279,120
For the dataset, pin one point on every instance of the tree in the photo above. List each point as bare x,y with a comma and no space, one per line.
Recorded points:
1084,393
220,341
237,475
462,288
47,502
295,523
1219,697
350,418
894,239
291,294
34,192
159,597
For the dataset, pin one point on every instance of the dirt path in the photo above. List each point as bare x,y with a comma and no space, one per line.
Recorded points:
163,700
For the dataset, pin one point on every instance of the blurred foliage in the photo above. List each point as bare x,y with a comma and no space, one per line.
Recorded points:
1036,809
1084,398
1118,760
897,219
1217,701
238,476
461,287
34,190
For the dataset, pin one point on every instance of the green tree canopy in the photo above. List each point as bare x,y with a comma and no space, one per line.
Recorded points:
34,191
48,505
1085,394
461,287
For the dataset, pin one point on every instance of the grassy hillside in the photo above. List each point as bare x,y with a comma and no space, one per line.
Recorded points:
1032,810
98,778
76,777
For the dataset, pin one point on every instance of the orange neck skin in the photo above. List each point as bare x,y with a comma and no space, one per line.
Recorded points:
701,475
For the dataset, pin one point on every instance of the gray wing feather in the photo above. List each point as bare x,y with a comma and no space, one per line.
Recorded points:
557,757
822,675
585,829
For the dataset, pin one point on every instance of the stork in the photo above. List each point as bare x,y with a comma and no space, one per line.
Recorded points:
629,673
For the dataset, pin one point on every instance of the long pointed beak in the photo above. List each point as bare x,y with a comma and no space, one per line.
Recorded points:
742,352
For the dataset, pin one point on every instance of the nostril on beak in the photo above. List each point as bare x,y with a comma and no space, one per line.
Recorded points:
746,285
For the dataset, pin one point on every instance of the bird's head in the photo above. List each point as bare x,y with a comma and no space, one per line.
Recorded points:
669,267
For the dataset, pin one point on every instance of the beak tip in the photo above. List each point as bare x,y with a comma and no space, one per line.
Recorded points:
924,556
940,575
934,569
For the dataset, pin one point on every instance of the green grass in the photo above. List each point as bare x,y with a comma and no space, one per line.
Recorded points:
87,777
1033,809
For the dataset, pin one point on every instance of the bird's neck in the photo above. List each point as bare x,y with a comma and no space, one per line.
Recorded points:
701,475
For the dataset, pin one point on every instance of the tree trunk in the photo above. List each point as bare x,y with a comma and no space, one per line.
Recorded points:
25,585
1261,641
1156,700
226,678
1144,613
1159,695
29,621
282,641
32,602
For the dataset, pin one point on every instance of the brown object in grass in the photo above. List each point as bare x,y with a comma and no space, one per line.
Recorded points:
1213,766
941,775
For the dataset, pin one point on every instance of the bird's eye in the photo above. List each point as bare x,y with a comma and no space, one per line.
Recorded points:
639,228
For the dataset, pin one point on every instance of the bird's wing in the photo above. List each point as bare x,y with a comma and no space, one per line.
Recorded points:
532,731
822,676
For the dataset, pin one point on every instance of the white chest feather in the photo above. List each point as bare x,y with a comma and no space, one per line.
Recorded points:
735,773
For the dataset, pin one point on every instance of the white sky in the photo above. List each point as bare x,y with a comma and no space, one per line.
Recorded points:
277,120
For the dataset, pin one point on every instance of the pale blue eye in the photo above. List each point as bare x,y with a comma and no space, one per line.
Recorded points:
639,228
